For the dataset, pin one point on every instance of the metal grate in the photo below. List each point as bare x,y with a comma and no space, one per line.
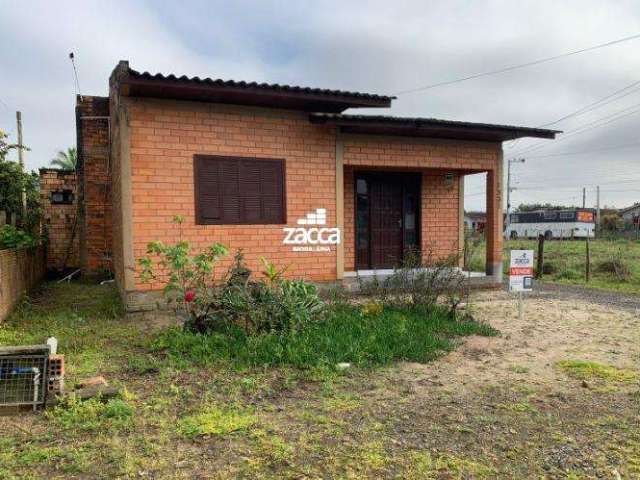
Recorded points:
23,375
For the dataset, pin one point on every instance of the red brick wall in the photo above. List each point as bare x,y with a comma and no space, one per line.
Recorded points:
95,184
165,135
440,214
20,270
60,220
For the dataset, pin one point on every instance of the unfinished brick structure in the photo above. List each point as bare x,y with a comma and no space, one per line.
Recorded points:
94,189
276,160
58,197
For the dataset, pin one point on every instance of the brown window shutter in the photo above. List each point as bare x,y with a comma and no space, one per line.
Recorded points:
237,190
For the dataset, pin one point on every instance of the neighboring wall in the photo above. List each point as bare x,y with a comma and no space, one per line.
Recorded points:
164,137
94,192
60,219
441,213
19,271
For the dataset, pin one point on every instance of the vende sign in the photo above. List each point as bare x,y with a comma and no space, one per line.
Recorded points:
521,271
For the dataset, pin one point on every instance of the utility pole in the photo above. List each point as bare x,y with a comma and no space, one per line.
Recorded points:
598,210
584,197
509,190
21,161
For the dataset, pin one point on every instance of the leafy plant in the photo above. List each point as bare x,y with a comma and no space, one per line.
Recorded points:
420,282
66,159
188,278
13,182
12,237
271,272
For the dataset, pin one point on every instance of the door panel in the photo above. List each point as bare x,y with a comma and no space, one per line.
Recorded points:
386,224
387,218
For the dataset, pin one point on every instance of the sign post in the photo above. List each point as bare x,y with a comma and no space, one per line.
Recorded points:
521,274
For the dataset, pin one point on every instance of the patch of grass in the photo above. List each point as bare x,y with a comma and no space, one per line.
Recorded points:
519,407
519,369
588,370
565,262
215,421
92,415
425,466
345,336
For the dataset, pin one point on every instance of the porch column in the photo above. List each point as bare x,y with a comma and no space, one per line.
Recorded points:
340,205
493,228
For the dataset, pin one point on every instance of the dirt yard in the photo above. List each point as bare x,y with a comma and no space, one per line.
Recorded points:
556,395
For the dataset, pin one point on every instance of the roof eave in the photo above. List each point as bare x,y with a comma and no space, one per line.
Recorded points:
425,128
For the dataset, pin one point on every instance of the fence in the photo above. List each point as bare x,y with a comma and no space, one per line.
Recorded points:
20,270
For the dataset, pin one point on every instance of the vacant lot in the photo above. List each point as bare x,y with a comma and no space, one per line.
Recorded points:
554,396
615,264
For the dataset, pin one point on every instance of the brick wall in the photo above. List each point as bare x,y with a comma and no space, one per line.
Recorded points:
164,137
95,220
20,270
60,220
440,215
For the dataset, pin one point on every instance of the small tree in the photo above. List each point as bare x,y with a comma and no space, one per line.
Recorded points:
189,278
13,181
66,160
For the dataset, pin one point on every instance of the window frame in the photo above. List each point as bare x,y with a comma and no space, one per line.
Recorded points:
197,158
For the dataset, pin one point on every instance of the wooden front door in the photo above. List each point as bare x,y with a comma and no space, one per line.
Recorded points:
387,218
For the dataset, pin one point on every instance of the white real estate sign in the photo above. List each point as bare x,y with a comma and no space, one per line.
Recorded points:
521,271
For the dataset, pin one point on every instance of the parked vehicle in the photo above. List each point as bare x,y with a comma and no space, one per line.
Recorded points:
574,223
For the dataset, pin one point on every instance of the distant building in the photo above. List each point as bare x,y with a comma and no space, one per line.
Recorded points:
475,221
631,214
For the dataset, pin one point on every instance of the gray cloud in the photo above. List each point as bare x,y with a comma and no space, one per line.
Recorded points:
372,46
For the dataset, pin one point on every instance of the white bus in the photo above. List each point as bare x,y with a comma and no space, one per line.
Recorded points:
574,223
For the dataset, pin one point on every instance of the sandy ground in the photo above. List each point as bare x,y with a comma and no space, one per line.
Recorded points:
550,330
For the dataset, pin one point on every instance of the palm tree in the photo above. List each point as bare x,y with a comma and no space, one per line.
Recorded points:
66,160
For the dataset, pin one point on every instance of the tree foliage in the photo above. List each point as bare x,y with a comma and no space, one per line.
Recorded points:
532,207
66,159
12,183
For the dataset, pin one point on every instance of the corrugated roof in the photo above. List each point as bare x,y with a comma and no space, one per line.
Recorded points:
130,82
429,127
255,85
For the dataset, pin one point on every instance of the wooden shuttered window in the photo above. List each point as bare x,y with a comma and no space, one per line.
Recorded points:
239,190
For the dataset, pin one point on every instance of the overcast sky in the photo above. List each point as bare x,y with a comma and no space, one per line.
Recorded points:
379,47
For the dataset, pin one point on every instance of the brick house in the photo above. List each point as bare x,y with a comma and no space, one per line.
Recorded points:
278,171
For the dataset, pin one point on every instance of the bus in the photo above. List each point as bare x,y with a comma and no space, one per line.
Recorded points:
574,223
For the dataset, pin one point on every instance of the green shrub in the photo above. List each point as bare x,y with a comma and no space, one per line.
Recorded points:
615,265
419,282
258,306
569,274
92,415
345,335
12,237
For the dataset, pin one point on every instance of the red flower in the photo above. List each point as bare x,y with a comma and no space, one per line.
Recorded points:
190,296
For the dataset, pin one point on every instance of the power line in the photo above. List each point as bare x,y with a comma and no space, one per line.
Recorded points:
588,108
521,65
584,128
597,104
604,149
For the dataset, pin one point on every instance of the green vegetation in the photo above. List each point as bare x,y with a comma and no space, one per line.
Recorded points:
346,335
210,410
586,370
615,264
215,421
66,159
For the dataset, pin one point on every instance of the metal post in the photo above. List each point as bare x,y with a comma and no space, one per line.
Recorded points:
509,190
520,305
584,197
